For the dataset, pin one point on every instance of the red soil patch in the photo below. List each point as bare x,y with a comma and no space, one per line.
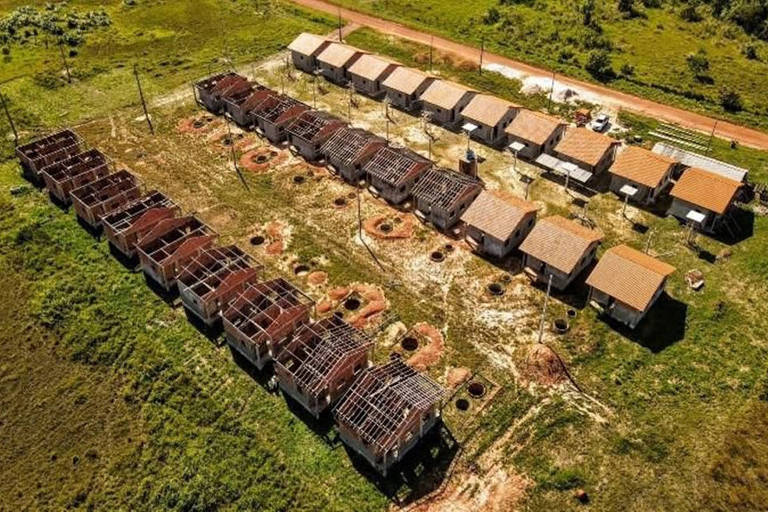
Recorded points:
403,229
542,366
457,376
275,248
372,297
196,124
338,293
361,319
317,278
250,159
430,354
324,306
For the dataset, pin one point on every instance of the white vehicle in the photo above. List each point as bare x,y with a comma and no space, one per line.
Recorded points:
600,123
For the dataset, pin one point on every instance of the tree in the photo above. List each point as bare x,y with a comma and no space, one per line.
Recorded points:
587,10
627,69
491,16
698,62
599,64
626,6
731,100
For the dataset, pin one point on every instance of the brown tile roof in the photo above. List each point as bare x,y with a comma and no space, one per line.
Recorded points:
497,216
307,44
444,94
370,66
629,276
559,242
585,145
533,126
405,80
488,110
642,166
337,54
706,189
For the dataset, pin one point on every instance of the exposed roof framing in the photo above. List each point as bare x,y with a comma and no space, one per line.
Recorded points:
311,124
442,188
105,188
169,235
65,170
222,80
396,165
134,215
66,142
274,108
318,350
347,144
241,95
382,400
209,272
262,309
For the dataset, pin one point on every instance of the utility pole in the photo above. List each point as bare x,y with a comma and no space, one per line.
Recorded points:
431,49
482,52
544,310
351,87
10,120
64,60
551,92
339,23
711,136
141,97
314,90
648,242
234,155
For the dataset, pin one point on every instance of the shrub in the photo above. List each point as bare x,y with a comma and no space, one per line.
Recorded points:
492,16
698,62
627,69
750,51
731,100
587,11
690,13
599,64
626,6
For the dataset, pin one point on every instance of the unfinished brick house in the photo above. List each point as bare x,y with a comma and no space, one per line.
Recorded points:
444,101
703,199
491,116
170,245
442,196
124,227
310,130
532,133
404,87
626,283
335,60
496,224
305,49
213,278
349,149
275,114
261,319
211,92
393,171
66,175
585,153
239,106
101,197
368,74
641,175
559,248
387,411
321,362
39,153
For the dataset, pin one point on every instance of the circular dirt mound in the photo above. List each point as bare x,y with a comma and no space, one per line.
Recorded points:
351,195
351,304
476,389
437,256
496,289
257,240
385,228
340,202
543,366
409,343
300,269
462,404
299,180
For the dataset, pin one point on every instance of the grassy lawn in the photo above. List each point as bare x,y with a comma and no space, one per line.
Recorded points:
655,43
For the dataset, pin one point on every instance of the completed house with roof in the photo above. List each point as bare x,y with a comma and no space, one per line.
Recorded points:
560,249
641,175
442,196
349,149
497,224
369,72
530,133
703,199
393,172
305,49
490,116
404,87
590,152
626,283
334,62
445,100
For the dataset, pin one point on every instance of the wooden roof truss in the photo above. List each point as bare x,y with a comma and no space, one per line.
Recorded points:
442,188
108,188
212,267
65,170
393,166
124,219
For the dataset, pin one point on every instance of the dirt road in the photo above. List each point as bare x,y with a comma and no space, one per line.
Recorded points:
606,96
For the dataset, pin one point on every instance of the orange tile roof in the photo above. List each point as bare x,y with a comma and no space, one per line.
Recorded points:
585,145
337,54
642,166
486,109
706,189
370,66
307,44
405,80
629,276
444,94
559,242
533,126
497,216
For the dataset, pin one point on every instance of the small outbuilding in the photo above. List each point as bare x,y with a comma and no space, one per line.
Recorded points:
445,100
588,150
42,152
239,107
641,175
66,175
211,92
404,87
490,117
98,198
530,134
170,245
213,278
123,228
368,74
305,49
703,199
321,362
349,149
442,196
310,130
273,116
335,60
263,317
393,171
497,224
626,283
560,249
387,411
690,159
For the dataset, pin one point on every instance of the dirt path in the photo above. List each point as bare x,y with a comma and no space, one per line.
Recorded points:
606,96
